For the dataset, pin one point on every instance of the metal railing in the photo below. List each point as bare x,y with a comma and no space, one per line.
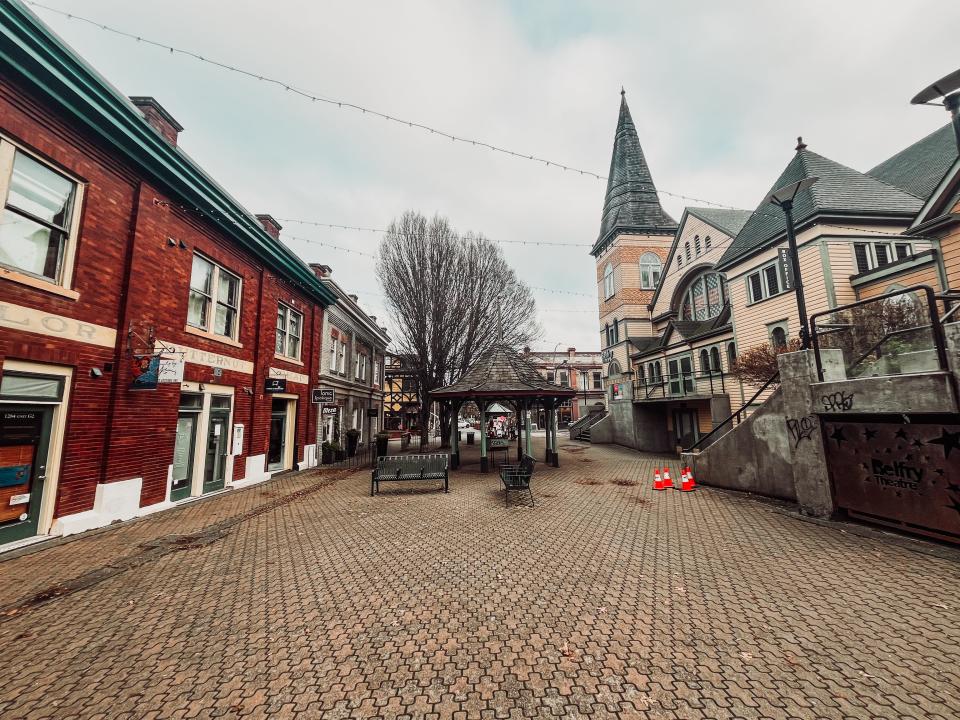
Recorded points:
892,334
680,385
585,423
738,416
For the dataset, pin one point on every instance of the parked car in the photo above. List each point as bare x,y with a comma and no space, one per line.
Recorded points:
461,423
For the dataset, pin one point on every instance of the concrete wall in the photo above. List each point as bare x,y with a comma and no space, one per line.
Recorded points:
754,456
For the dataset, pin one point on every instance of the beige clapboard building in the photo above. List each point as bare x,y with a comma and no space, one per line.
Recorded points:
679,301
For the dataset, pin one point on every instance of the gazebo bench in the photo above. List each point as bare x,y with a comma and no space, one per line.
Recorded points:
391,468
516,478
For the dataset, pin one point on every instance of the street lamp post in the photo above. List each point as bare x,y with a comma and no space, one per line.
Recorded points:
783,199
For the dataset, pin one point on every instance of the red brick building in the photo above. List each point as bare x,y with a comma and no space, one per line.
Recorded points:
581,371
157,341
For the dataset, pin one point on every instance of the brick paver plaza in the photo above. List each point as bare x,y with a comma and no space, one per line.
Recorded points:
305,596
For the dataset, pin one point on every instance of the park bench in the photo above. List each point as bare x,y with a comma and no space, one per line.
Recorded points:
391,468
516,478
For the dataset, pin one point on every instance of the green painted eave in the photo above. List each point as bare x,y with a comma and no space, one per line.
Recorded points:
32,55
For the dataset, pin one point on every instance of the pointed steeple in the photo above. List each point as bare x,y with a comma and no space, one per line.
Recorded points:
631,204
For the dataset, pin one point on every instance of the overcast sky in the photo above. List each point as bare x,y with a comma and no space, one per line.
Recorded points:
718,91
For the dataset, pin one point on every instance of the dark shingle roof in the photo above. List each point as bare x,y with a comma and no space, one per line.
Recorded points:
918,168
731,221
503,371
631,203
840,189
642,344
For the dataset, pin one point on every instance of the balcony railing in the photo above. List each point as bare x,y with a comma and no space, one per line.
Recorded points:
680,385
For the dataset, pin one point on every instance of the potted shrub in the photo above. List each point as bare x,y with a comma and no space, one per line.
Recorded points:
383,438
326,452
353,437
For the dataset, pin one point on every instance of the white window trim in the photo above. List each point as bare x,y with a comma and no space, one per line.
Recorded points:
64,285
647,265
286,333
872,261
208,332
765,289
609,285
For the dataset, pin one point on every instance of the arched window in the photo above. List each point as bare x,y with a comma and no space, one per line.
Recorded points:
779,337
679,260
696,244
613,368
608,282
704,298
686,249
657,371
704,361
706,242
650,267
731,355
715,360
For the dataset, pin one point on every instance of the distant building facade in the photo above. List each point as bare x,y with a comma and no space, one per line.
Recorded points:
581,371
401,396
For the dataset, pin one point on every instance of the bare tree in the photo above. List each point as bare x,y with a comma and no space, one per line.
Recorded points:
451,298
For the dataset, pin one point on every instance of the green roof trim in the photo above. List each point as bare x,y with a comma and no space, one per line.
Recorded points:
34,55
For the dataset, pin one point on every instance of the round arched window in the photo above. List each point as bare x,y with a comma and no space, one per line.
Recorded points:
704,298
650,268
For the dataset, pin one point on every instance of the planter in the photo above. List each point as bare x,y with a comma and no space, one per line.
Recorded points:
326,454
470,436
382,443
352,440
340,455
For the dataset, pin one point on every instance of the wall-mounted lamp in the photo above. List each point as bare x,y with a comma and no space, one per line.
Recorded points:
96,372
183,245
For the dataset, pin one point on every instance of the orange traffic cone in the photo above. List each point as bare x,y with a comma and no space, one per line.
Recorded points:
686,483
657,480
693,482
667,482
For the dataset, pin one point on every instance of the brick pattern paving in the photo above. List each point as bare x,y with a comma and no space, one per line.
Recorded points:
605,600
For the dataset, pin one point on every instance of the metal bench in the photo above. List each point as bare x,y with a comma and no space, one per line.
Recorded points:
516,478
391,468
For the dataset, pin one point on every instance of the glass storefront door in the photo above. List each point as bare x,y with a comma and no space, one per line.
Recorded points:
24,442
215,466
276,453
188,419
685,427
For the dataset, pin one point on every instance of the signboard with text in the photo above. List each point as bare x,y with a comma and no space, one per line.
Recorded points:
786,268
274,385
324,396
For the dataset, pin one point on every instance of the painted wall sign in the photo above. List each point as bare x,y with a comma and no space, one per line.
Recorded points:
287,375
237,447
274,385
31,320
326,396
20,499
209,359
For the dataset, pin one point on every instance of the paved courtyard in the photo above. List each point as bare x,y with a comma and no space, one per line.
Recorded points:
306,597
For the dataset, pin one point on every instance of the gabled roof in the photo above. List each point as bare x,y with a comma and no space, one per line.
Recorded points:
689,330
729,220
31,54
919,168
840,190
631,203
642,344
502,372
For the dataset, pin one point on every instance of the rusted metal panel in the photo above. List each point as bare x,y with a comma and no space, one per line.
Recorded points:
903,474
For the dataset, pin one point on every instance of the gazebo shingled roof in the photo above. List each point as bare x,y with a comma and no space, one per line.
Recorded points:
502,373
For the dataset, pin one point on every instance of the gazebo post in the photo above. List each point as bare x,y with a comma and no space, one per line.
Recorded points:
454,436
518,409
548,422
526,430
554,444
483,436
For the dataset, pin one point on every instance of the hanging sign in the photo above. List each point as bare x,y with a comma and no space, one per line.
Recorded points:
145,371
330,410
786,268
606,355
323,396
170,369
274,385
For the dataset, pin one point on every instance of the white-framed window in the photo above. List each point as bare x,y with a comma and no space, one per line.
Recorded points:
289,331
686,250
872,255
341,365
361,370
334,342
704,298
608,282
597,380
650,269
706,242
376,371
40,217
214,302
764,283
564,379
584,379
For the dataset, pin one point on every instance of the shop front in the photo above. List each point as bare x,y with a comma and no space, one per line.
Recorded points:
202,449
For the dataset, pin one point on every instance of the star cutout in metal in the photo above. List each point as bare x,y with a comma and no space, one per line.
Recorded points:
952,487
869,434
838,435
917,443
901,433
949,440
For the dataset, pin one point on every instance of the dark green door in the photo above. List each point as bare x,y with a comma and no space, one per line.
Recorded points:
215,467
24,444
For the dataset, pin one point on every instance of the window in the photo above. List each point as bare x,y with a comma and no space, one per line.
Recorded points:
679,260
715,360
360,370
608,282
705,297
376,371
289,328
564,379
686,250
214,302
38,211
764,283
872,255
696,245
334,342
597,381
704,361
650,268
681,375
731,355
584,380
706,242
778,334
551,376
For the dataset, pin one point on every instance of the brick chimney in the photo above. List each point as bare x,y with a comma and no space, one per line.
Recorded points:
321,271
270,224
159,119
572,352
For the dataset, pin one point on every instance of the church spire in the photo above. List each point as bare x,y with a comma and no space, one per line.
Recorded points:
631,203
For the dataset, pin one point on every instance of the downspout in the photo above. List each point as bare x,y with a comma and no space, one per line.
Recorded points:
258,326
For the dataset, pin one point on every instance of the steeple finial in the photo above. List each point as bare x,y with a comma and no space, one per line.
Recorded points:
801,145
622,91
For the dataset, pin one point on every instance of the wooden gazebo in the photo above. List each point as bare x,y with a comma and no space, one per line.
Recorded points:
502,375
